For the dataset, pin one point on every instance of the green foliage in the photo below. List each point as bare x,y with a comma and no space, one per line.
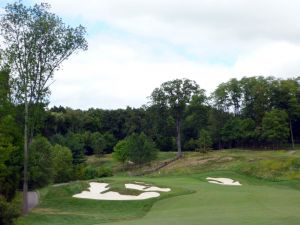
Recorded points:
137,148
98,143
62,164
121,151
98,172
75,142
8,212
110,142
40,163
174,95
141,149
204,141
10,158
275,127
191,144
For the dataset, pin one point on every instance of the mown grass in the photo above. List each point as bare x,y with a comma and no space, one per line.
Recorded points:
256,202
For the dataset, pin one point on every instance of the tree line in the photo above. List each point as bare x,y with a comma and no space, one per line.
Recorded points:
253,112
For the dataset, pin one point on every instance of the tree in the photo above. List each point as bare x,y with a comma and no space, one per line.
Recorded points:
137,148
62,163
141,149
175,95
121,151
75,142
275,128
284,95
41,163
36,43
97,143
204,141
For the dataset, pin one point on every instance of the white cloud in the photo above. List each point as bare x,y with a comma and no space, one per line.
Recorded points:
145,43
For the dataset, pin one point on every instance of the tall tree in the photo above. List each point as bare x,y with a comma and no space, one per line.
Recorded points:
175,95
36,42
275,128
285,96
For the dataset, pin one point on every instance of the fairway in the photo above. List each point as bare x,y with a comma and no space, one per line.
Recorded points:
194,201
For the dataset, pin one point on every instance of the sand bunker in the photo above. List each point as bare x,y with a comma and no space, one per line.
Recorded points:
146,188
223,181
96,192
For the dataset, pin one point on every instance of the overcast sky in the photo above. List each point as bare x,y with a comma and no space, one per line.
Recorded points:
135,45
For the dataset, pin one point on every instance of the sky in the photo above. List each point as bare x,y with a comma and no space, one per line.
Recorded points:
135,45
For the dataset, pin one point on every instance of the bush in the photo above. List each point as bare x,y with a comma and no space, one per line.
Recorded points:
8,212
137,148
92,172
40,163
121,151
62,164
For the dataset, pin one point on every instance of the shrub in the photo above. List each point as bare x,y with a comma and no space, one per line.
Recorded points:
92,172
8,212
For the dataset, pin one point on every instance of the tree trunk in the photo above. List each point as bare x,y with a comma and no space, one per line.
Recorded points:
179,153
25,181
292,135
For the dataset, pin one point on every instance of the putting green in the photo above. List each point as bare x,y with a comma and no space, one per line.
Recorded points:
254,203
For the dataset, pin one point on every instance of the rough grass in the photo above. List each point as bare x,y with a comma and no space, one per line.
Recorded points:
269,165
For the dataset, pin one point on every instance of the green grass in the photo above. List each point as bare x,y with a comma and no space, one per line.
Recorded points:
269,195
255,203
58,207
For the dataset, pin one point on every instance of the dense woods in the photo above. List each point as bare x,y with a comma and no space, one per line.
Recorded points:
254,112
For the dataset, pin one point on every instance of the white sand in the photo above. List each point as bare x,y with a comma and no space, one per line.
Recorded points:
112,195
223,181
96,187
145,188
135,187
96,192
